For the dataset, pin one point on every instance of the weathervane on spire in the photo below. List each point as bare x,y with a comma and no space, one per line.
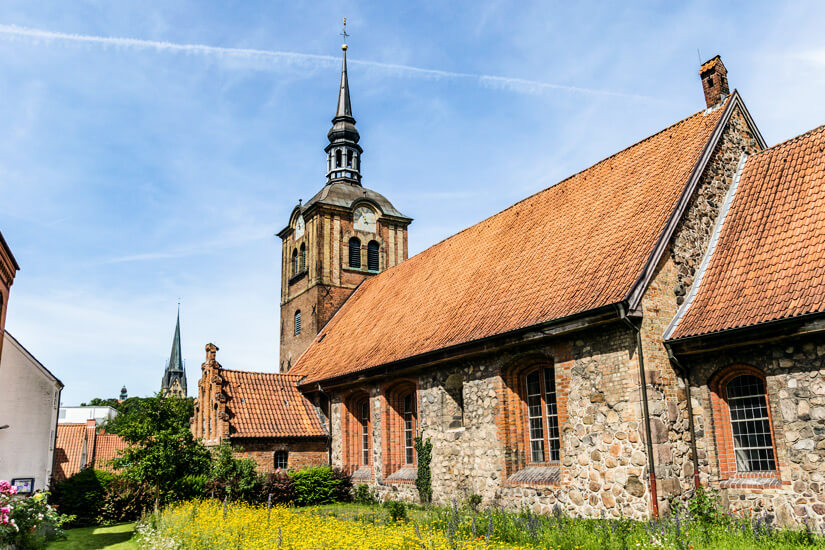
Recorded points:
344,34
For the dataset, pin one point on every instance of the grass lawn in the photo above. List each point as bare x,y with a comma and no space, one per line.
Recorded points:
119,537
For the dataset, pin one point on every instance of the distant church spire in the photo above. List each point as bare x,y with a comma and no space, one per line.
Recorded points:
343,151
174,379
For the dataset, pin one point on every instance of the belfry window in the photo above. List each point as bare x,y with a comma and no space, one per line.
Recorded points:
355,252
303,259
297,322
295,261
372,255
750,424
338,158
349,158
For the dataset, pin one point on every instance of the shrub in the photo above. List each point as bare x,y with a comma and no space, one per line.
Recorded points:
423,481
124,500
473,502
232,477
343,492
364,495
279,485
314,486
396,509
82,495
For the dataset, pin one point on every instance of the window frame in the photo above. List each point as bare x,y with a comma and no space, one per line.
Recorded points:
373,253
550,438
723,425
365,420
354,253
399,428
296,323
275,460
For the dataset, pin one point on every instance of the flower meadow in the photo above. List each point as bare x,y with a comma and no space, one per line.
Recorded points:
212,524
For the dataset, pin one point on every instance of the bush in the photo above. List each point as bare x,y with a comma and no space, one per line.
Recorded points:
364,495
343,492
232,477
473,502
82,495
280,486
396,509
124,500
317,485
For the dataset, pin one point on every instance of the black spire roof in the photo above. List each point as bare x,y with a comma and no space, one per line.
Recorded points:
175,370
343,125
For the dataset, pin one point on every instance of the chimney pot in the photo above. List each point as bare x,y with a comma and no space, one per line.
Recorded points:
714,77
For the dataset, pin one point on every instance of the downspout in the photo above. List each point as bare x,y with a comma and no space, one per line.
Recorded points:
654,497
329,424
685,372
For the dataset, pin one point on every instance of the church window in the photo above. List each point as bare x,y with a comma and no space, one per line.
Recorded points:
542,415
349,158
303,259
338,158
364,414
409,429
294,261
750,424
297,322
355,252
281,460
372,256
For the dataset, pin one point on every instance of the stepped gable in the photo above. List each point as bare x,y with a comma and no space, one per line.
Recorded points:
768,263
263,404
576,246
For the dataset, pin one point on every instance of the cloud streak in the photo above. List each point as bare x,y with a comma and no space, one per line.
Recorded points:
493,81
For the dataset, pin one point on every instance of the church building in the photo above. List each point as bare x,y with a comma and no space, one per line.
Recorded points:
649,325
174,377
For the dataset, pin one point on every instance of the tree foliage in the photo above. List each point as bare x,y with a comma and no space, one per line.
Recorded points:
162,451
232,477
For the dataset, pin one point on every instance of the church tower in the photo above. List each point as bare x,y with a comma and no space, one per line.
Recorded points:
341,236
174,378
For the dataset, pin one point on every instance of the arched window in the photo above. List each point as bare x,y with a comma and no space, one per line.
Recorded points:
355,252
372,255
349,158
750,424
297,322
338,158
409,429
303,259
294,261
364,419
542,415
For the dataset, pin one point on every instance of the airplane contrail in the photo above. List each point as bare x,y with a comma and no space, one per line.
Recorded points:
504,82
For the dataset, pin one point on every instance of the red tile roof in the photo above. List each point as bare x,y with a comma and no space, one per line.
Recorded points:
263,404
769,261
107,447
573,247
68,450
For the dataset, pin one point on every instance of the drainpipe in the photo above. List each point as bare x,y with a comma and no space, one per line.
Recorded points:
685,372
654,497
329,424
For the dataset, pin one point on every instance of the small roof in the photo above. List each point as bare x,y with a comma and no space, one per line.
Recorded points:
68,450
577,246
265,404
108,447
768,262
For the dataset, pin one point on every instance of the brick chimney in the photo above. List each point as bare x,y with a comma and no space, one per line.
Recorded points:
714,81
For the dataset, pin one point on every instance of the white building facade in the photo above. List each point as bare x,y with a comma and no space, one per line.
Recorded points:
29,399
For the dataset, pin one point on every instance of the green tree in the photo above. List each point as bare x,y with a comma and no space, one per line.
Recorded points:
130,410
232,477
162,452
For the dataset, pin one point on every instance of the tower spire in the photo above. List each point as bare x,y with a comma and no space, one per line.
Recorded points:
174,379
343,151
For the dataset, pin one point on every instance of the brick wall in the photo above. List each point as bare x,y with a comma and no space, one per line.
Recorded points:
302,453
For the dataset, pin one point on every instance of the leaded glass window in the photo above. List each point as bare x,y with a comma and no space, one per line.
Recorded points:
750,424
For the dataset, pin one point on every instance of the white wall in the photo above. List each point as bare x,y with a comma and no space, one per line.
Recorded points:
79,415
29,397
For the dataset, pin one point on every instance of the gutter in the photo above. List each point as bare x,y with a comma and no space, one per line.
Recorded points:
654,497
685,372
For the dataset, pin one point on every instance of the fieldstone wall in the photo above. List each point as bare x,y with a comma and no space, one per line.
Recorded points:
603,462
795,374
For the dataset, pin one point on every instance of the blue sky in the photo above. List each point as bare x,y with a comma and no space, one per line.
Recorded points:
137,168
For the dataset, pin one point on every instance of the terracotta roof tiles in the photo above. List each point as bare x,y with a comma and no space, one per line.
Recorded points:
576,246
262,404
768,262
68,450
107,447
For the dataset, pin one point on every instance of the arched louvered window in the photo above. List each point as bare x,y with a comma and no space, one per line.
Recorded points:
303,258
295,261
349,158
298,322
372,256
355,252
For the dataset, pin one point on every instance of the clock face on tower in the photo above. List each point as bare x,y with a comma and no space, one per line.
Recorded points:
299,227
364,219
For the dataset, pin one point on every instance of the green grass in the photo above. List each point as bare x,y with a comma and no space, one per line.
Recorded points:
118,537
